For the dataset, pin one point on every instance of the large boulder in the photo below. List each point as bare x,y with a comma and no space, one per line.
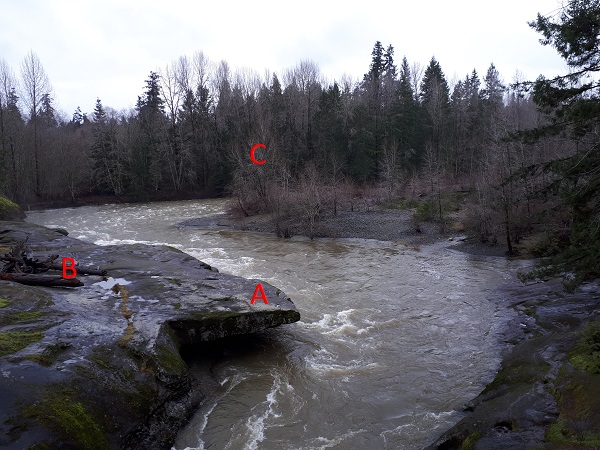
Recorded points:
99,366
10,210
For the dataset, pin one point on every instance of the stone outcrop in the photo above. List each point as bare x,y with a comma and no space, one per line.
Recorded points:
99,366
539,398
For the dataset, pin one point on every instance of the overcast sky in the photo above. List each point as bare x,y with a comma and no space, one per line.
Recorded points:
106,48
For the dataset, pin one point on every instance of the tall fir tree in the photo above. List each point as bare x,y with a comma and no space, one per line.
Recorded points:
572,102
435,100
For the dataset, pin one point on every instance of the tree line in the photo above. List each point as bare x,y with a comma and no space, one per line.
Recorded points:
521,149
195,121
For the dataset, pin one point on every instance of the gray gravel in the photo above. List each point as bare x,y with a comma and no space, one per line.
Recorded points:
383,225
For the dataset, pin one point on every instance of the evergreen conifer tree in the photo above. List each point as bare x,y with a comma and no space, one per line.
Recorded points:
573,104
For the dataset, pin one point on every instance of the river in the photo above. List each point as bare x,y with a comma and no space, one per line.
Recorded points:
392,342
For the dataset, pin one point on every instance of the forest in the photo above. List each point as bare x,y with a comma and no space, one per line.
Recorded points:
523,153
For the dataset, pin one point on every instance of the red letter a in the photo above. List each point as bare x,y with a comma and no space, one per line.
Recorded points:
70,267
262,295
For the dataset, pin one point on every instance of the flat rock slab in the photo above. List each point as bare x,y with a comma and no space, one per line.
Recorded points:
98,366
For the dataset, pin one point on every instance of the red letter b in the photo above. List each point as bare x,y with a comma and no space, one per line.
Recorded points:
70,267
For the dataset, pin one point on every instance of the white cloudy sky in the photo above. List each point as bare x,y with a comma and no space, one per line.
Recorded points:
106,48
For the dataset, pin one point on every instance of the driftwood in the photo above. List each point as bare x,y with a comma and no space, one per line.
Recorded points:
35,279
20,266
81,270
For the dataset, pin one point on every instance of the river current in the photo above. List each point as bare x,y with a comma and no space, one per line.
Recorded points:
392,342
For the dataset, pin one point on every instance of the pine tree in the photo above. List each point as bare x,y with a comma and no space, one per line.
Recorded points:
573,104
78,117
377,63
435,99
407,121
108,166
148,155
389,68
330,134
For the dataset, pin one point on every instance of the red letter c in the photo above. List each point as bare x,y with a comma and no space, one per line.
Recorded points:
254,160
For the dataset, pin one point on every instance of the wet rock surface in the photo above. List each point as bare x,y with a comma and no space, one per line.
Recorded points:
526,404
99,366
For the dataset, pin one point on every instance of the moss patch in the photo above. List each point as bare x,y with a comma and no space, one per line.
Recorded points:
578,398
560,432
170,360
13,341
10,210
470,441
525,372
586,356
69,418
4,303
50,354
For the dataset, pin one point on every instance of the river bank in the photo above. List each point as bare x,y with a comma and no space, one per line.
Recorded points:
379,224
541,397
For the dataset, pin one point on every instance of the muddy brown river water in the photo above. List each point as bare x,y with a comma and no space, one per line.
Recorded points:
391,344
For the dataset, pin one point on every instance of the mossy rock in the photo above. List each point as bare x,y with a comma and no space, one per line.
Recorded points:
10,210
70,419
470,442
13,341
586,356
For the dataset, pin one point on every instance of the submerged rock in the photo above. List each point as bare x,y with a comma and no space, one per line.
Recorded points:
99,366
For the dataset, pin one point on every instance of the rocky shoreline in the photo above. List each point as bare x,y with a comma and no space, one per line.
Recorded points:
99,366
378,224
539,398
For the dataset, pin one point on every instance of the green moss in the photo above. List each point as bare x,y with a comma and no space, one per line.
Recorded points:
470,441
586,356
523,372
578,400
20,317
215,315
561,433
69,418
10,210
177,305
25,316
169,359
13,341
4,303
50,354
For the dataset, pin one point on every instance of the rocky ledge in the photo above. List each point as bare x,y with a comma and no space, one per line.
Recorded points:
98,366
547,393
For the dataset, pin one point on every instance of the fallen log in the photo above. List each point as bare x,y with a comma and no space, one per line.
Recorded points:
81,270
36,279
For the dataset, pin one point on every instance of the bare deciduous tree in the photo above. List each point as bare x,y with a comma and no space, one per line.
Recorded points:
35,86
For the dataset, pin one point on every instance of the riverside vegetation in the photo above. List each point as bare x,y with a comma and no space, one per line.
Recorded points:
526,152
